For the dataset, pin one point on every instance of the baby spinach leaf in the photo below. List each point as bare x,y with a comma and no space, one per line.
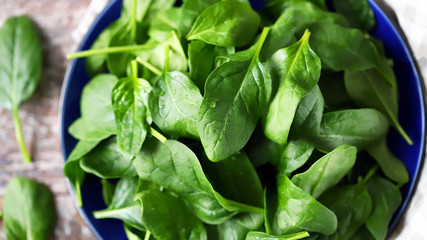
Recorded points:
358,13
123,206
391,166
72,169
262,150
264,236
343,127
167,217
107,191
296,153
29,210
237,227
226,23
327,171
117,63
236,95
341,48
299,70
362,234
130,105
132,233
352,206
20,68
87,130
333,89
386,198
179,20
369,89
175,167
107,161
294,210
200,60
236,179
174,104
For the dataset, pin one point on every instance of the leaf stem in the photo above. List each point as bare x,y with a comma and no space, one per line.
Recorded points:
18,133
166,67
134,69
149,66
158,135
147,235
403,133
261,40
133,19
297,236
109,50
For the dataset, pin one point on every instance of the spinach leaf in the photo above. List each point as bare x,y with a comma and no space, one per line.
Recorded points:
107,191
362,234
132,233
369,89
237,227
29,210
386,198
352,206
179,20
107,161
327,171
343,127
167,217
200,60
293,210
262,150
197,6
236,179
264,236
130,105
296,153
174,104
391,166
175,167
20,68
236,95
226,23
84,129
123,206
299,70
117,63
358,13
72,169
333,89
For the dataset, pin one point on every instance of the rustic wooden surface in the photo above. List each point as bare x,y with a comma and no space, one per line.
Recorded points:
56,19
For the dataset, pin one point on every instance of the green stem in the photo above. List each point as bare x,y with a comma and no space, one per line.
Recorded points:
134,69
166,67
403,133
19,136
133,19
158,135
261,40
297,236
147,235
1,214
109,50
149,66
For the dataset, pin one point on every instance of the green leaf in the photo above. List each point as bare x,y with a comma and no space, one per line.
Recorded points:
174,104
386,198
299,70
226,23
197,6
327,171
237,227
352,206
29,210
167,217
293,210
343,127
264,236
296,153
236,95
175,167
358,13
130,105
391,166
107,161
262,150
107,191
333,89
117,63
179,20
132,233
362,234
370,89
123,206
20,68
87,130
201,61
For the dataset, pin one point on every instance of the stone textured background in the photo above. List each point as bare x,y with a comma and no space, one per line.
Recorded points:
56,19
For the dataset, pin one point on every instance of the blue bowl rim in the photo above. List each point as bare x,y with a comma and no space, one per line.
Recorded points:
384,10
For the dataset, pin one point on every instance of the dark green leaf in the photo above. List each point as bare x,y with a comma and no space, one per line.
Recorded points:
264,236
333,90
362,234
293,210
167,217
201,60
237,227
226,23
117,63
107,191
358,13
236,95
262,150
296,153
299,70
107,161
29,210
327,171
179,20
174,104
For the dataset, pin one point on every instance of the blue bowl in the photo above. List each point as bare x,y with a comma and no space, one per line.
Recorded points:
411,114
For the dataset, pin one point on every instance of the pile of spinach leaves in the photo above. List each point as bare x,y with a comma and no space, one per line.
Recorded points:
215,121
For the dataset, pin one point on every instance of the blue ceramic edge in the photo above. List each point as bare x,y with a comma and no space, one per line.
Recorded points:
64,90
415,70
